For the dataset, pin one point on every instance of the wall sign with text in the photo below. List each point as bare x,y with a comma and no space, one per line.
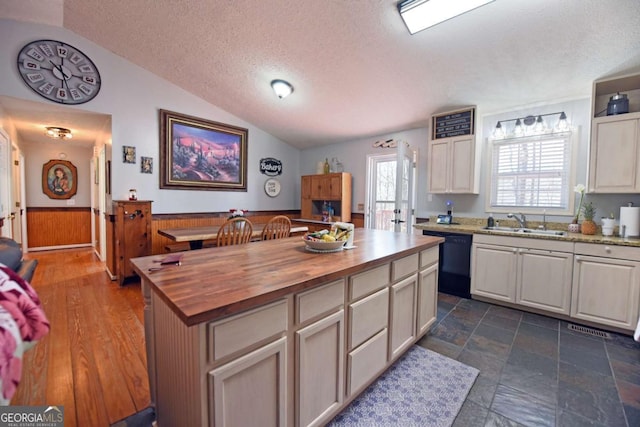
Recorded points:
271,166
455,123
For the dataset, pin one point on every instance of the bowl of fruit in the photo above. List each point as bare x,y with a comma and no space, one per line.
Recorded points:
324,241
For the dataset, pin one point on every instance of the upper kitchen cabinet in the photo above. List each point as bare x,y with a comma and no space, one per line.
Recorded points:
614,154
453,153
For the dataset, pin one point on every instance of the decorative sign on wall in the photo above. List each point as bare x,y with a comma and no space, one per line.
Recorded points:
454,123
272,187
270,166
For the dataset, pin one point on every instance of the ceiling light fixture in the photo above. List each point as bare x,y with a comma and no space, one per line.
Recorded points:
58,133
523,126
281,88
421,14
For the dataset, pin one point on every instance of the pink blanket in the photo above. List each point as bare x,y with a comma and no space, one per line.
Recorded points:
22,324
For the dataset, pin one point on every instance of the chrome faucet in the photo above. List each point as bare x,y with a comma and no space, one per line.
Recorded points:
522,220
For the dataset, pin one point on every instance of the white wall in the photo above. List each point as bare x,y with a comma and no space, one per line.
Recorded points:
353,155
133,96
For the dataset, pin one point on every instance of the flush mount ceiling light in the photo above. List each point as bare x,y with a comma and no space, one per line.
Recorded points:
421,14
58,133
281,88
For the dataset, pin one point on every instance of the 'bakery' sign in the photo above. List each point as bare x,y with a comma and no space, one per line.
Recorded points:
271,166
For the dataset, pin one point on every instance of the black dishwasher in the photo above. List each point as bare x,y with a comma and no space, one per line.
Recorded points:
454,275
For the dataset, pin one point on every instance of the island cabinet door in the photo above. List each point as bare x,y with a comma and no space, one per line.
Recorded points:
250,390
320,370
427,298
403,315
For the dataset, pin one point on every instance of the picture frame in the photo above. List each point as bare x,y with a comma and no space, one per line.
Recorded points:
128,154
146,164
199,154
59,179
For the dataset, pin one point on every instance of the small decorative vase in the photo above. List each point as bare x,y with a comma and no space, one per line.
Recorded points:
608,225
588,227
574,228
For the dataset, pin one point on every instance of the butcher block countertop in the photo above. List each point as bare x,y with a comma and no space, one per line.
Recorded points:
216,282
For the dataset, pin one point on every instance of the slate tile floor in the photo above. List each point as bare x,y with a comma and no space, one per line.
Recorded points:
534,371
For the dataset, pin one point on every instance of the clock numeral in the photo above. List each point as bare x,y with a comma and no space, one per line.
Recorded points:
86,89
30,65
62,94
85,68
75,94
35,77
89,79
46,49
46,88
35,54
62,51
75,58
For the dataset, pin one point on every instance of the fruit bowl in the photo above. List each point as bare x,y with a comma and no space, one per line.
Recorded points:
321,245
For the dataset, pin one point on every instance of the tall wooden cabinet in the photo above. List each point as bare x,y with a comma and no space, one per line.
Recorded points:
333,188
131,234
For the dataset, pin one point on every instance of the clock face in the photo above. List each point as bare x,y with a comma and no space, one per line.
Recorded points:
58,72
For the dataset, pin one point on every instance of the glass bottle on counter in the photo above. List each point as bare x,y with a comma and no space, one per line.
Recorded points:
327,168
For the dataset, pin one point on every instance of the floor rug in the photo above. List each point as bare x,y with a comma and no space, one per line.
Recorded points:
422,388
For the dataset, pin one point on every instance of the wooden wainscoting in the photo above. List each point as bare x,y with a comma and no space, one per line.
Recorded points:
96,230
64,226
161,221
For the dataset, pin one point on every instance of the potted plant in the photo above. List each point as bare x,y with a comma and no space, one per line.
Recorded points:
588,225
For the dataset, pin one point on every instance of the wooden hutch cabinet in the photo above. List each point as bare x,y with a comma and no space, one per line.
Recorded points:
333,188
131,235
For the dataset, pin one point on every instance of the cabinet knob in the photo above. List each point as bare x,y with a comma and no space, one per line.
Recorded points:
578,258
514,250
607,249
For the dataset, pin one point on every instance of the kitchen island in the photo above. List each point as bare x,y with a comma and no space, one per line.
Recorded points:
269,333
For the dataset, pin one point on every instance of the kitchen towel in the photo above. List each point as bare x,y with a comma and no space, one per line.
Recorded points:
630,218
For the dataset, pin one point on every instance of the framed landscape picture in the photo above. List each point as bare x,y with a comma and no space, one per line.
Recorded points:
199,154
59,179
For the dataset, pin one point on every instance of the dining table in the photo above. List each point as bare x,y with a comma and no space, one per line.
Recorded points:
196,236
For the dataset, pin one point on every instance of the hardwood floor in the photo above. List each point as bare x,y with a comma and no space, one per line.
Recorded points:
93,360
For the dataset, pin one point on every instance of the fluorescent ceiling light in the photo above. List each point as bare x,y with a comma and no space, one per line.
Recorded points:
421,14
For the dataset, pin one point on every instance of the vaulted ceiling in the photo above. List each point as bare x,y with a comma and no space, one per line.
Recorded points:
356,70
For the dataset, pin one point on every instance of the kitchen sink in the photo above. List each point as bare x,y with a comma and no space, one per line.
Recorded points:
527,231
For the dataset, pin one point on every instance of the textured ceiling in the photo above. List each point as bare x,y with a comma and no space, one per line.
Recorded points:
356,70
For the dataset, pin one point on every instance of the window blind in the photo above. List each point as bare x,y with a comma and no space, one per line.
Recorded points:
531,172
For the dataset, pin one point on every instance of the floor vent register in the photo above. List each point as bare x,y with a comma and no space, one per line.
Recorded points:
589,331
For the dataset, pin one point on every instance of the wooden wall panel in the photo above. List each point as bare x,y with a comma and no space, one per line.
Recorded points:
58,226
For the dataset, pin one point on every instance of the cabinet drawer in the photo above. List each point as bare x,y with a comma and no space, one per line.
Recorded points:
368,316
369,281
404,267
608,251
317,301
243,330
429,256
366,361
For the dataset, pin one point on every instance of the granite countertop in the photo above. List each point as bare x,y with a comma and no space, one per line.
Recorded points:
476,226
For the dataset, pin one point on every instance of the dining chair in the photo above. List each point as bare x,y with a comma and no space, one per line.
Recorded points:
234,231
276,228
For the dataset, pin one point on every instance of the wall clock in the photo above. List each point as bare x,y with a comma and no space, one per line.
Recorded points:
58,72
272,187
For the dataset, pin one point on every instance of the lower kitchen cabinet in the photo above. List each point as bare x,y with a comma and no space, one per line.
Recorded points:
493,271
427,298
320,370
403,315
606,285
529,272
544,280
251,388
